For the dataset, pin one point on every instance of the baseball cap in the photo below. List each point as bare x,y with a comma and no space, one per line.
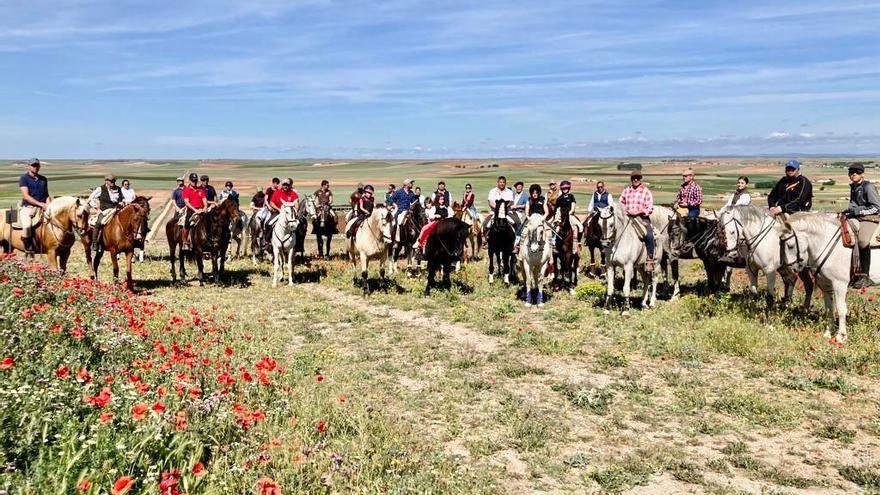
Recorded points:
793,164
34,161
193,176
180,179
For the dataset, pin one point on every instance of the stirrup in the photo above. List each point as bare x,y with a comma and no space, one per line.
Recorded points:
861,281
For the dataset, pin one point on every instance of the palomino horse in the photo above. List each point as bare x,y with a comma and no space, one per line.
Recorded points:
371,242
813,241
475,235
284,234
324,225
626,249
54,236
567,255
443,249
121,235
535,254
209,237
593,241
747,231
408,232
500,241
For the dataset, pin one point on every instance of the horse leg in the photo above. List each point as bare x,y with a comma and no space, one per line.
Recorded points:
609,281
527,276
62,259
506,267
114,259
432,273
753,280
52,258
276,265
364,265
771,289
200,265
290,260
627,279
676,288
806,277
129,280
491,266
840,288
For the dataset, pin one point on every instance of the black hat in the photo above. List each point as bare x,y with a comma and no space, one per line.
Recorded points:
535,188
857,167
205,177
369,187
193,176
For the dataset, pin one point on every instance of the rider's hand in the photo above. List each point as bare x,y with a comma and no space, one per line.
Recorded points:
775,210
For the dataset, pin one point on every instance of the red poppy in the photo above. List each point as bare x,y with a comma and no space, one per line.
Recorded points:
138,411
106,417
321,427
341,398
122,485
102,399
319,378
7,363
180,421
228,351
268,486
84,485
199,470
83,376
159,407
62,372
168,485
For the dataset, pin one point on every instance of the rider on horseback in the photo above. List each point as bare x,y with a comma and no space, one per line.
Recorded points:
435,213
177,197
323,196
639,204
689,195
864,205
229,192
467,202
792,193
600,199
284,195
741,195
105,197
196,200
402,198
501,193
364,209
35,199
565,205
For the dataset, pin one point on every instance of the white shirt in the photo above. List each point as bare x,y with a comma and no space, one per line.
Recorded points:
744,199
128,195
93,200
506,195
431,212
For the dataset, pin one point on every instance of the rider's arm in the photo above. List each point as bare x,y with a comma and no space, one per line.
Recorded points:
93,198
802,200
330,198
27,197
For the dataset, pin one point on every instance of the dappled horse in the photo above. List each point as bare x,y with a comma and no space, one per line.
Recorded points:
567,253
371,242
55,235
209,237
623,237
813,241
408,232
499,240
122,234
443,249
255,239
284,233
747,231
535,254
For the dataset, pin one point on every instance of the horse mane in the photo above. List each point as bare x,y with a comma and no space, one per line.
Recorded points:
60,204
813,222
750,213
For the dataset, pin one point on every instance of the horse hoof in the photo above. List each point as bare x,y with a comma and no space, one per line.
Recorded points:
571,291
491,279
625,314
841,337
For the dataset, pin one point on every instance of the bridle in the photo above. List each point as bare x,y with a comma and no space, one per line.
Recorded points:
288,221
800,262
741,238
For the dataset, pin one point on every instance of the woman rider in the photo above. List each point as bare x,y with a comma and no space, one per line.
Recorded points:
363,209
435,214
741,195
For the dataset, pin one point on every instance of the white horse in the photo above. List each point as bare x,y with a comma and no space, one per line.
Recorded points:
748,231
535,253
813,240
371,242
284,241
625,249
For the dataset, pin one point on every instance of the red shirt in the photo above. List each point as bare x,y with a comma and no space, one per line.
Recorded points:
281,195
196,195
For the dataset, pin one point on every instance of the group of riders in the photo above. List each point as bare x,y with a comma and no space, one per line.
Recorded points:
792,193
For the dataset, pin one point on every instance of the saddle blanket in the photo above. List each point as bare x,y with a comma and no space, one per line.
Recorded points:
14,219
193,220
106,216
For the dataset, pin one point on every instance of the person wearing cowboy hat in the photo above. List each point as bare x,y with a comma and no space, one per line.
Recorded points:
690,194
638,202
107,196
864,206
365,205
792,193
34,199
402,199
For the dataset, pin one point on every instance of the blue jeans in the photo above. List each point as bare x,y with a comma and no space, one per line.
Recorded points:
693,211
649,236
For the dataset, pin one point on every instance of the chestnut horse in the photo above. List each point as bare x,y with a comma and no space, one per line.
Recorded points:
209,237
54,236
86,239
122,234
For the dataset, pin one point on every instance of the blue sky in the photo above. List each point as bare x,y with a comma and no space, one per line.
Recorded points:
404,78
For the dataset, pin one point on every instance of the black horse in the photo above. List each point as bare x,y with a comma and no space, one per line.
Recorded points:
408,232
567,257
301,231
593,241
689,236
444,249
324,226
499,241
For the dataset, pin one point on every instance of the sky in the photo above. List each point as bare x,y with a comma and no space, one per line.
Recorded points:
445,79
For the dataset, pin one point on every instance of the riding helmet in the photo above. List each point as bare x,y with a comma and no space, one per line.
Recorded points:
565,183
369,187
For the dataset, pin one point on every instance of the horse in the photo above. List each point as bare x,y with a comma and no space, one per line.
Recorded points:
535,254
748,231
592,238
238,233
302,228
626,249
812,240
121,235
567,253
210,236
499,239
284,234
255,238
475,235
408,232
65,217
688,236
371,242
443,249
140,234
324,225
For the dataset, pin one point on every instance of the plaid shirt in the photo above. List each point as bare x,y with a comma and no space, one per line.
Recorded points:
691,195
637,201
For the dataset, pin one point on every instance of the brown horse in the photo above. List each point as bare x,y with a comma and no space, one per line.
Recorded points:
593,241
209,237
55,235
475,234
122,234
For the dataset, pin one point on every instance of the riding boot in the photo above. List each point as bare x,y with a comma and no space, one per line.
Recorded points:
29,247
96,236
863,278
184,236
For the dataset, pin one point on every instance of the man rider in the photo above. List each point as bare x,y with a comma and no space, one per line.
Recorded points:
210,192
600,199
442,191
196,201
402,199
792,193
284,195
689,195
638,202
501,193
177,197
35,198
323,196
276,185
864,205
363,209
105,197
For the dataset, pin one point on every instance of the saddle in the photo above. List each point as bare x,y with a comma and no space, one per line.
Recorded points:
106,216
640,228
850,227
13,219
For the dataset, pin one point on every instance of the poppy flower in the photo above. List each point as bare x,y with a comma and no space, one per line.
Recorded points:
7,363
122,485
159,407
180,420
138,411
321,427
84,485
106,417
62,372
199,470
268,486
319,378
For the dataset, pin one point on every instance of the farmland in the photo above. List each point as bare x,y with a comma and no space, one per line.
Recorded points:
467,391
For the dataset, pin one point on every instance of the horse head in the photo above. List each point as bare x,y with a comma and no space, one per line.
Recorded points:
81,217
290,215
729,230
607,225
538,234
501,209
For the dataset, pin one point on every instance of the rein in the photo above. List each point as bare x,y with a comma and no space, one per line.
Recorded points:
828,249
